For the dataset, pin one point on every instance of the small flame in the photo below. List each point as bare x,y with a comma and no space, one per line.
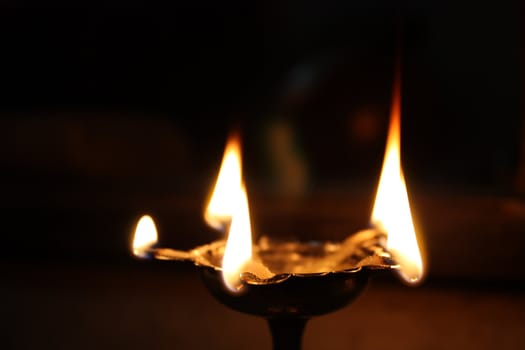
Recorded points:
218,213
391,211
228,206
145,236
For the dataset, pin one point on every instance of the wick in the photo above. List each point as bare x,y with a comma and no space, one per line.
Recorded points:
171,254
352,245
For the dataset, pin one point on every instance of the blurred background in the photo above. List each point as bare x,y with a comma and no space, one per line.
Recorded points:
113,110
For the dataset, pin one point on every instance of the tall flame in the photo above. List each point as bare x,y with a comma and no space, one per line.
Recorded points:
145,236
228,205
220,209
391,211
238,251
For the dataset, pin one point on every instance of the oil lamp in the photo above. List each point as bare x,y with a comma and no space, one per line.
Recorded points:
288,282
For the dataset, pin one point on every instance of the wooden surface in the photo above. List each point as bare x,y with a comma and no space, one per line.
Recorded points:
161,306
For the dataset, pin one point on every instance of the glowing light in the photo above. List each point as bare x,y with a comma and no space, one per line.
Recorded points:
238,251
145,236
391,211
220,208
228,210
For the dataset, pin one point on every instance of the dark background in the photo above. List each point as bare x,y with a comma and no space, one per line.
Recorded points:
113,110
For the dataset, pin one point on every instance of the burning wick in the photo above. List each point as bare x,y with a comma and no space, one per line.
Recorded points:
145,236
228,207
391,213
238,252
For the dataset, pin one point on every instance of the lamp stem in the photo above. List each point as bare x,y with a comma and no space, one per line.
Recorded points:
287,332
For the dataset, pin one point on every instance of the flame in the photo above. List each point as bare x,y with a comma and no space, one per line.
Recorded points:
391,211
228,205
145,236
238,251
218,213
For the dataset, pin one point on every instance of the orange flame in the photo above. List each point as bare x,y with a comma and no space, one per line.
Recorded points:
391,211
238,251
228,205
220,208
